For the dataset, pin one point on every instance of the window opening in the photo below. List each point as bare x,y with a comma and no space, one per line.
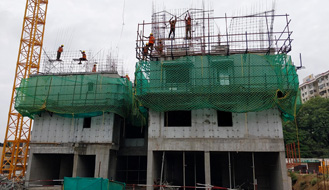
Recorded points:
87,122
224,119
178,119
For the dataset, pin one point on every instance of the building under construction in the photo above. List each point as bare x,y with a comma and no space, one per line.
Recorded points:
205,110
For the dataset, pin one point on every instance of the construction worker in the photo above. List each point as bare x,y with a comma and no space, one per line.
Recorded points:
172,26
94,68
145,51
84,56
127,77
151,42
188,26
59,52
159,48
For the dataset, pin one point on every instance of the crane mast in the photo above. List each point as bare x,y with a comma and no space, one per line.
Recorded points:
17,138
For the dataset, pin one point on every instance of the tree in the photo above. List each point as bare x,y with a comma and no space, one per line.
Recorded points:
313,128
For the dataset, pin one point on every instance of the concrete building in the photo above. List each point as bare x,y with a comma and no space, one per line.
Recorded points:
212,112
315,86
77,124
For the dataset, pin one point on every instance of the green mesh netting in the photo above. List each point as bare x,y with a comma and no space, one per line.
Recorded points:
139,114
74,95
79,183
235,83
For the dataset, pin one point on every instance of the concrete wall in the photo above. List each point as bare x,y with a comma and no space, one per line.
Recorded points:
42,155
254,131
89,149
57,129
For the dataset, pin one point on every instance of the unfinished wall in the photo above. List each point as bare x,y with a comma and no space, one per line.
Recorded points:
57,129
254,131
88,142
249,147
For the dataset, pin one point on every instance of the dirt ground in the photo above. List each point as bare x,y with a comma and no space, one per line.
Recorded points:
304,182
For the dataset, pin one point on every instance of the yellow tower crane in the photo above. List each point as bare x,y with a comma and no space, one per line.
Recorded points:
16,142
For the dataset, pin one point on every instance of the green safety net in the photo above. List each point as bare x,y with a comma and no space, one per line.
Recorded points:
235,83
74,95
79,183
115,185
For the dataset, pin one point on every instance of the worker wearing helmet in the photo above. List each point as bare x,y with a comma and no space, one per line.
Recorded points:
151,41
59,52
84,56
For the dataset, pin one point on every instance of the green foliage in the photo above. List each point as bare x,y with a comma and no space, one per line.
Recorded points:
313,128
314,181
303,185
293,176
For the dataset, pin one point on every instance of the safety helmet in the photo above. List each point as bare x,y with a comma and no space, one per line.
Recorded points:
83,51
62,45
151,34
147,44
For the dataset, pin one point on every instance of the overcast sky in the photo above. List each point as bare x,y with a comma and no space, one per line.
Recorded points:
108,24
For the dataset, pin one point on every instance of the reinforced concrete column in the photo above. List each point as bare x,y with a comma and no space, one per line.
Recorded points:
207,167
29,168
75,164
150,170
281,172
102,162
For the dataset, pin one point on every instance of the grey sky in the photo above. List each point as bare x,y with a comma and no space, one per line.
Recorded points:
97,25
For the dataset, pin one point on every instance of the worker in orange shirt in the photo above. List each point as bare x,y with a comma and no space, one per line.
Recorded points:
188,25
84,56
151,42
59,52
172,26
127,77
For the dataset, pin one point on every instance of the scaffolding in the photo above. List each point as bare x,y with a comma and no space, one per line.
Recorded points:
252,33
69,63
